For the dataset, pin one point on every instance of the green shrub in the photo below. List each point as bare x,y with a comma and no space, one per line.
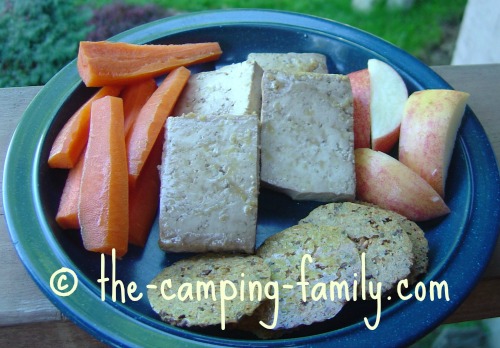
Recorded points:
116,17
38,38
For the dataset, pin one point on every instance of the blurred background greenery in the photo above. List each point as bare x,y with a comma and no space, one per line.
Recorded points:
40,37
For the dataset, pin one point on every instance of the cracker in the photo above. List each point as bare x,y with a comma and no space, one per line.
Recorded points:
204,268
387,248
334,259
420,245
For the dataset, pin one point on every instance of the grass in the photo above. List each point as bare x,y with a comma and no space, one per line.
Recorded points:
414,30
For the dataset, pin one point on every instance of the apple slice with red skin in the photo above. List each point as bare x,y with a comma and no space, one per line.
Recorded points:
386,182
387,102
428,132
360,85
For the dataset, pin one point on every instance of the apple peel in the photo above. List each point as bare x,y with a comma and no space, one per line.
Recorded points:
428,132
360,85
386,182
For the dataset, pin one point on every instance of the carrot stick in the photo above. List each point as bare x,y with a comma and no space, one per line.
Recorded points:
72,138
103,203
109,63
144,197
134,97
67,213
151,120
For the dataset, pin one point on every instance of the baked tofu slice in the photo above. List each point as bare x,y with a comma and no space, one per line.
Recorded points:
231,90
307,135
209,184
291,62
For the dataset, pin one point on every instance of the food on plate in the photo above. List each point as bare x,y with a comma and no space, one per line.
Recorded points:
420,244
151,120
231,90
105,63
209,183
307,135
196,148
428,133
67,212
103,202
376,233
386,182
72,138
144,196
291,61
197,273
134,97
420,247
360,84
387,101
334,258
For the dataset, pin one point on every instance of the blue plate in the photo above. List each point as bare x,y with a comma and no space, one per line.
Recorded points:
460,243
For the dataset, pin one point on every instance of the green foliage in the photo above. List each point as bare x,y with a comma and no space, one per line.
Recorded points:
117,17
38,38
415,30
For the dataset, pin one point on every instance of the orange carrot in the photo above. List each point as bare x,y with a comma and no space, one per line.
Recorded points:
72,138
134,97
109,63
144,197
151,120
103,203
67,213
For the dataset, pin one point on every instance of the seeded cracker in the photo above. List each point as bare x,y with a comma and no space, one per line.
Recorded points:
205,268
334,258
387,247
420,245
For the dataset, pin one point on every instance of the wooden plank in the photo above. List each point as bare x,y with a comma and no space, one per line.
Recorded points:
13,102
21,300
480,303
47,334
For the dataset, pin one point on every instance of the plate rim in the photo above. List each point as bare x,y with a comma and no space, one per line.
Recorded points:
69,77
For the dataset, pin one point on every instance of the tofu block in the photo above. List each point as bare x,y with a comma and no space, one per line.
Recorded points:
291,62
209,184
307,135
231,90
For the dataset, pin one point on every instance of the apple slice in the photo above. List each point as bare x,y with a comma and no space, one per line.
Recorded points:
360,85
387,101
428,132
386,182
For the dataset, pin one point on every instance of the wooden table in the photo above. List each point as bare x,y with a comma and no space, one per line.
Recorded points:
27,317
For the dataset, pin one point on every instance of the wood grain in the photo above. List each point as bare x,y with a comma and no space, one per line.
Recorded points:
21,300
29,318
48,334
